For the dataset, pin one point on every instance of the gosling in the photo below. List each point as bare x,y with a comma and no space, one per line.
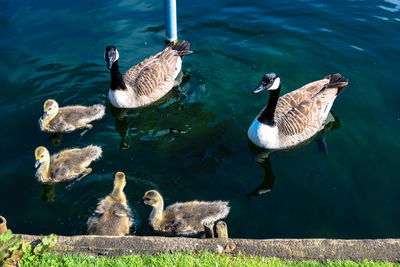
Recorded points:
69,118
218,230
65,166
113,215
221,230
183,219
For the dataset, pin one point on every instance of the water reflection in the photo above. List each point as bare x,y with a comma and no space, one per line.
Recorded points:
150,116
332,123
56,139
268,182
48,192
122,124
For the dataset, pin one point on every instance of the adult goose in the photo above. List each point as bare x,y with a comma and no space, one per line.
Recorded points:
296,116
147,81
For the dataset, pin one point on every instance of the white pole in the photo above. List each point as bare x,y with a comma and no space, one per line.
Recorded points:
170,21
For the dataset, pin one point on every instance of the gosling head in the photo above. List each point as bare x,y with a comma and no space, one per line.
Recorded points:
41,155
270,81
111,55
119,180
152,198
50,108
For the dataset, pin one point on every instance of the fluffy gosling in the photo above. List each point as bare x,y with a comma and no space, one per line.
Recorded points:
219,230
113,215
69,118
65,166
185,219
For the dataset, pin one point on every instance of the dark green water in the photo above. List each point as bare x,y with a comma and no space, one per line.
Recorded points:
54,49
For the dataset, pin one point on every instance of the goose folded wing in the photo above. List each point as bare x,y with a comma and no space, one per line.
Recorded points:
296,119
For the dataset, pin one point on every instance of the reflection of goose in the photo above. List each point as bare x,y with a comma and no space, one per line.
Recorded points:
331,123
262,157
293,118
122,121
48,193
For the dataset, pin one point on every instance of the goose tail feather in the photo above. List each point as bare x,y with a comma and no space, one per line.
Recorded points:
183,48
337,81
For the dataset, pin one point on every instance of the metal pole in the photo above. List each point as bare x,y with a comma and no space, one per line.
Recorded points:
170,21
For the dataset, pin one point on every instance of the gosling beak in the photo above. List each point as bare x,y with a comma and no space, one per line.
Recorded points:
109,63
37,163
258,89
141,202
45,115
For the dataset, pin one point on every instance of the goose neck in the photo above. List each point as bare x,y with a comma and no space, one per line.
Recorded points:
44,171
267,116
117,81
118,194
157,212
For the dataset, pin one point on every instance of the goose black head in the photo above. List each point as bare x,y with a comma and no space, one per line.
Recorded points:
111,55
270,81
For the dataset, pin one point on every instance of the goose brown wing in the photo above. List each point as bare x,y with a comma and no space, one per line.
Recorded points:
294,98
130,75
154,73
306,118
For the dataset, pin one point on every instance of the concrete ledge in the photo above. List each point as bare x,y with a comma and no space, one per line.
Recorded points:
286,249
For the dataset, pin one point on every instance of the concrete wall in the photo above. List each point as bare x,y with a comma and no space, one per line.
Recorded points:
289,249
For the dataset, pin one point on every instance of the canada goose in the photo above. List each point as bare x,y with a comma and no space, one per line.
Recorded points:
69,118
113,215
65,166
186,219
296,116
147,81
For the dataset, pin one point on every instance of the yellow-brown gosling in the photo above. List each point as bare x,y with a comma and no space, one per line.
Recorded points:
218,230
65,166
147,81
187,218
69,118
113,215
221,230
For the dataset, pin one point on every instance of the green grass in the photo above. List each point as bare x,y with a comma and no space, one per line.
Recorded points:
187,259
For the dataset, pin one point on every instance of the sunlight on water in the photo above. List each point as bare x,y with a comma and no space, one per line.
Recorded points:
192,144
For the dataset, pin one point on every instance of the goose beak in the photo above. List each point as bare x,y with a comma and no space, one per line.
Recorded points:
37,163
141,202
258,89
45,115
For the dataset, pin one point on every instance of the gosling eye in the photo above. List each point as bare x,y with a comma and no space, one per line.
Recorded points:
41,156
147,199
